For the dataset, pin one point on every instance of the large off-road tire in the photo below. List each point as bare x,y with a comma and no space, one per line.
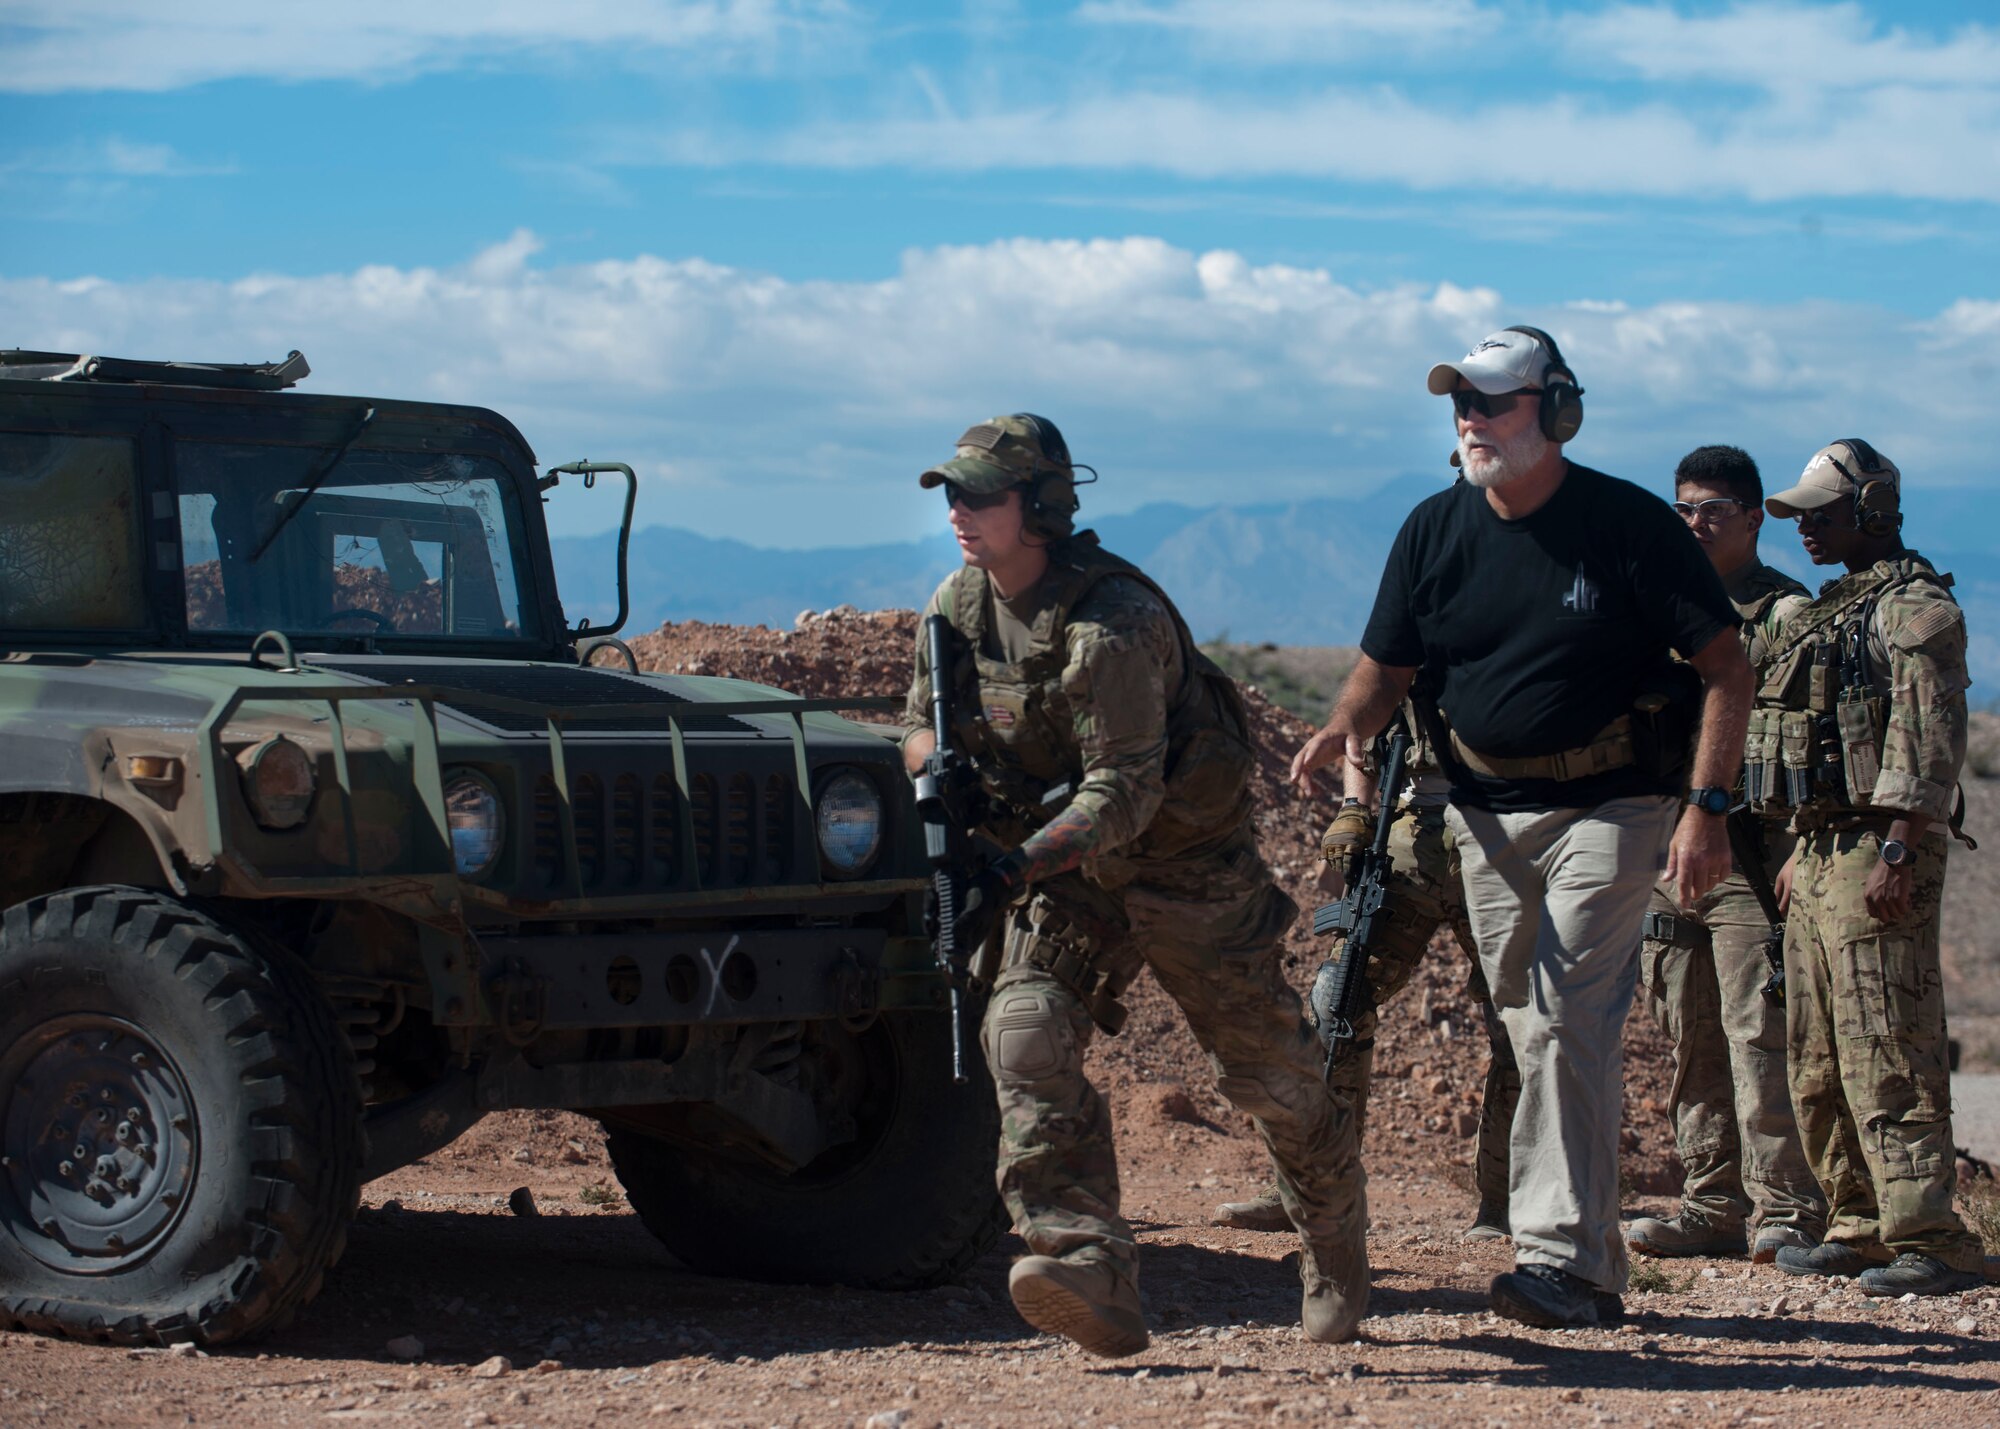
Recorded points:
909,1203
213,1212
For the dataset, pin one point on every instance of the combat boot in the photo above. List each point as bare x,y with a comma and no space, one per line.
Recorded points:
1263,1212
1089,1302
1490,1222
1688,1233
1772,1239
1913,1273
1829,1258
1335,1278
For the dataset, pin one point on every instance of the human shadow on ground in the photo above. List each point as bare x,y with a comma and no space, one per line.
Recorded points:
597,1291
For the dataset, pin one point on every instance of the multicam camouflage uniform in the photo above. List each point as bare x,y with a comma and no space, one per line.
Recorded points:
1861,716
1425,893
1098,686
1702,975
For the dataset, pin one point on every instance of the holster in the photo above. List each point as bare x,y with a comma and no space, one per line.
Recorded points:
1065,935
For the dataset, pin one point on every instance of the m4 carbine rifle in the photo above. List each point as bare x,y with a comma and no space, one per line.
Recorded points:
948,799
1340,991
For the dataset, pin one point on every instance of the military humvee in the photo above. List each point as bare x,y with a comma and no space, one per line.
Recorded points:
321,836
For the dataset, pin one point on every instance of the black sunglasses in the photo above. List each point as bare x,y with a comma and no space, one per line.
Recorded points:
955,495
1491,404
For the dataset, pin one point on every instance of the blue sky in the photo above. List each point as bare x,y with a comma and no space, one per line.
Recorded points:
778,254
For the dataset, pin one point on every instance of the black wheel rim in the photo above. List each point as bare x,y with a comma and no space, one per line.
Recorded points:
102,1143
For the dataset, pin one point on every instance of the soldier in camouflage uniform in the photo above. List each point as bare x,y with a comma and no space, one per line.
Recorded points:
1116,761
1702,971
1860,730
1425,894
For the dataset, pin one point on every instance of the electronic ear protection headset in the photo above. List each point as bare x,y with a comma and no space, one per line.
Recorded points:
1878,505
1561,411
1050,504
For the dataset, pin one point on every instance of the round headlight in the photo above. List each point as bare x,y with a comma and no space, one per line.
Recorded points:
478,824
277,782
848,821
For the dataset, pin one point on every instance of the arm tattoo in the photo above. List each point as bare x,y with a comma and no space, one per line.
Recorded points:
1059,845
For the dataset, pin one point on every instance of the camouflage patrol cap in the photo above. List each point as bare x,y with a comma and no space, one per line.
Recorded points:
998,453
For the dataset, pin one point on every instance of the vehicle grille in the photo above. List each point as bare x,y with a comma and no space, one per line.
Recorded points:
550,685
745,832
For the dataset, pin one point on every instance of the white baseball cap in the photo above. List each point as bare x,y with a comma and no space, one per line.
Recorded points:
1505,362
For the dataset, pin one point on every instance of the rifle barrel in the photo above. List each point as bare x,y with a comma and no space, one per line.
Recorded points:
937,640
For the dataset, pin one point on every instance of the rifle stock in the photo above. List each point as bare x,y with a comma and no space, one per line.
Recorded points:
1340,992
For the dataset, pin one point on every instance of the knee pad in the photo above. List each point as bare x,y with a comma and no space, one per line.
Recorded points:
1254,1095
1028,1036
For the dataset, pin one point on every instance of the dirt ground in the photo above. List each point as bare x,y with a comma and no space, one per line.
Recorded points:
574,1315
596,1325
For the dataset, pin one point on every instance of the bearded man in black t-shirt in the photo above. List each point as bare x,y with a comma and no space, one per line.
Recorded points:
1548,597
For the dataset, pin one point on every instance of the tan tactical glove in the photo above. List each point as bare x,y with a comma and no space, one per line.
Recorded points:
1352,830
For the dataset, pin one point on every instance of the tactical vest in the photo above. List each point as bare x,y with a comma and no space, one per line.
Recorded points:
1766,588
1821,716
1015,721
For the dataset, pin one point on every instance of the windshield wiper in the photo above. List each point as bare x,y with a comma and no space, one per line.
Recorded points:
312,485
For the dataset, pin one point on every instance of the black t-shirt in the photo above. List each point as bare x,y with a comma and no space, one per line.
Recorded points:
1544,629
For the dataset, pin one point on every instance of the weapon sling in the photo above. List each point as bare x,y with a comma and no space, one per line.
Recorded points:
1746,842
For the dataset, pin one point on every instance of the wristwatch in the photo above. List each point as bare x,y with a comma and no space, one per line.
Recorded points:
1896,853
1710,800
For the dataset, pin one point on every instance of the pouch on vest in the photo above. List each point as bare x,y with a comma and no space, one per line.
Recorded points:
1795,749
1860,746
1664,716
1763,782
1819,690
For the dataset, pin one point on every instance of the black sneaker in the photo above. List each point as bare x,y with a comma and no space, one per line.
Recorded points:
1828,1258
1912,1273
1552,1299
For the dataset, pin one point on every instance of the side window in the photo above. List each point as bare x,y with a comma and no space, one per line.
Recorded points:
71,551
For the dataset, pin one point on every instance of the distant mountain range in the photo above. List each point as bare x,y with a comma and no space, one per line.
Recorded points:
1302,573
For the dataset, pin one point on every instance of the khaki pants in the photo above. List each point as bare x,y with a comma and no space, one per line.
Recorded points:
1865,1018
1555,897
1730,1104
1212,943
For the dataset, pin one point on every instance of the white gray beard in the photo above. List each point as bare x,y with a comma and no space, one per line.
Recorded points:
1517,457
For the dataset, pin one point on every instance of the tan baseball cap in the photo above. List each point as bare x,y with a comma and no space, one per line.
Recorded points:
1839,469
998,453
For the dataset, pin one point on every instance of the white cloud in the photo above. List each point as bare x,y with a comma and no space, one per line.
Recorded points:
1830,51
1298,30
798,412
110,157
144,45
1890,141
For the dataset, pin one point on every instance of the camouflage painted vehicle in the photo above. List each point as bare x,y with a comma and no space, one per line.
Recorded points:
320,838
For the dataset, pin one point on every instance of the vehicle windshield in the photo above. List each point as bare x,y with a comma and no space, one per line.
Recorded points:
392,543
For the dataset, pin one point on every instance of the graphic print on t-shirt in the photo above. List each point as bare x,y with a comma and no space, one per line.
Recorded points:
1582,597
